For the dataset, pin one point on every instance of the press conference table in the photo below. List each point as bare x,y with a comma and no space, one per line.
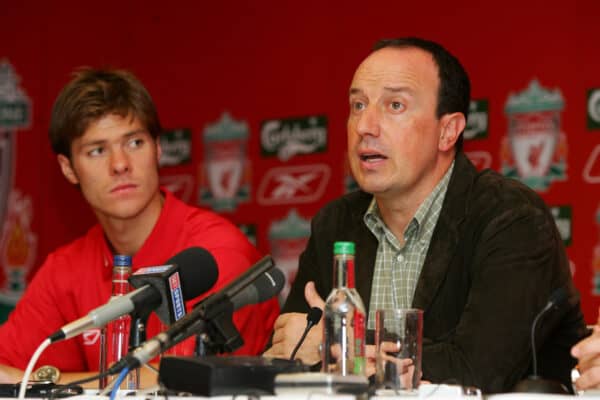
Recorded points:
308,396
595,395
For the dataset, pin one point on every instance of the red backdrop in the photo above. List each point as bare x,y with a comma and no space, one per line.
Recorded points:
271,60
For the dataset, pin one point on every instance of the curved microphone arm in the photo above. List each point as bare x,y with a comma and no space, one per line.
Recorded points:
312,318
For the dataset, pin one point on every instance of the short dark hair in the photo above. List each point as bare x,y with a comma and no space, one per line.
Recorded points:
455,87
93,94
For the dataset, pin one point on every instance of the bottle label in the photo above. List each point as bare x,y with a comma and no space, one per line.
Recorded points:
359,343
350,273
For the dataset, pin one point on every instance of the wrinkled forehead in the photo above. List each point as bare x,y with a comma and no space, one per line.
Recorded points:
393,67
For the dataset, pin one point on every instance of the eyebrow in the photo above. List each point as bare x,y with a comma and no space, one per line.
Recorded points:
398,89
391,89
102,141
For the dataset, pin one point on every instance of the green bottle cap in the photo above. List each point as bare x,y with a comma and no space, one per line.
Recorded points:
343,248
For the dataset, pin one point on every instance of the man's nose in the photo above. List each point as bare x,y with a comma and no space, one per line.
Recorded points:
368,122
119,162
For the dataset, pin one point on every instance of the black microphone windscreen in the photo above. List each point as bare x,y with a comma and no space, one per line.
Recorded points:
558,297
314,315
198,270
269,284
246,279
265,286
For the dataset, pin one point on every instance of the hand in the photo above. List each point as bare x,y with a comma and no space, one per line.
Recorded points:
587,352
289,328
403,370
10,374
400,370
371,356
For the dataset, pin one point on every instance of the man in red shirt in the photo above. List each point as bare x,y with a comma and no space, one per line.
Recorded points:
104,130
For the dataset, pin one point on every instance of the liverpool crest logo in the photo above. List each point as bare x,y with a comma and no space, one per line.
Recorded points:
225,175
15,113
288,238
534,150
17,247
17,241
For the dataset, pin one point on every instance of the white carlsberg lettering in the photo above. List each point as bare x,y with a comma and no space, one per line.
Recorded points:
272,137
13,113
594,106
564,227
177,147
477,123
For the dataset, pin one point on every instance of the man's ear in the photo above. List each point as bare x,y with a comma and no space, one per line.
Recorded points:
452,125
67,169
158,150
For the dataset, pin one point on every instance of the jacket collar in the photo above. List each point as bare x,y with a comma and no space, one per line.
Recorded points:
447,232
443,241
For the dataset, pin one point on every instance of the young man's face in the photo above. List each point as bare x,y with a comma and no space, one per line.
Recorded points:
394,134
115,162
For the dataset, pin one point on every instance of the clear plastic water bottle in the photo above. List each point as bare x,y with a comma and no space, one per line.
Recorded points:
114,338
343,350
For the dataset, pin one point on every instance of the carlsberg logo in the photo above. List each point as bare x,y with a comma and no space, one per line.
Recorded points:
285,138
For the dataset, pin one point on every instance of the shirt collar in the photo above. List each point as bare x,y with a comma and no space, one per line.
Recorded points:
426,213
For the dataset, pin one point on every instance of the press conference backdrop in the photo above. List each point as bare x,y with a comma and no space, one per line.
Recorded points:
254,97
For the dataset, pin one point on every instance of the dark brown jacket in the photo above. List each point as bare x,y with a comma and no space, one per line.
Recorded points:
494,259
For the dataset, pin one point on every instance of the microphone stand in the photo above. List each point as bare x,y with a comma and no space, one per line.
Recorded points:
216,333
212,316
137,333
201,348
535,383
137,336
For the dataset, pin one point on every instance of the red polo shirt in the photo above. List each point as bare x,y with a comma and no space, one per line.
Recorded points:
76,278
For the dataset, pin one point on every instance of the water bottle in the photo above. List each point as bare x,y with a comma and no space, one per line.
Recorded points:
114,337
343,350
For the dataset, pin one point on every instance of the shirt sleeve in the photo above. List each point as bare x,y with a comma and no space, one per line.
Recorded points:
39,313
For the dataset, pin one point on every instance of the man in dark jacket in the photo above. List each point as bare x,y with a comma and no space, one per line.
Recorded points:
479,253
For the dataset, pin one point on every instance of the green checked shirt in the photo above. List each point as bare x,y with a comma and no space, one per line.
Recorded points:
397,267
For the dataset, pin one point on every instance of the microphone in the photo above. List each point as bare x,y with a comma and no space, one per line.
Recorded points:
535,383
266,285
219,307
243,281
312,318
198,269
